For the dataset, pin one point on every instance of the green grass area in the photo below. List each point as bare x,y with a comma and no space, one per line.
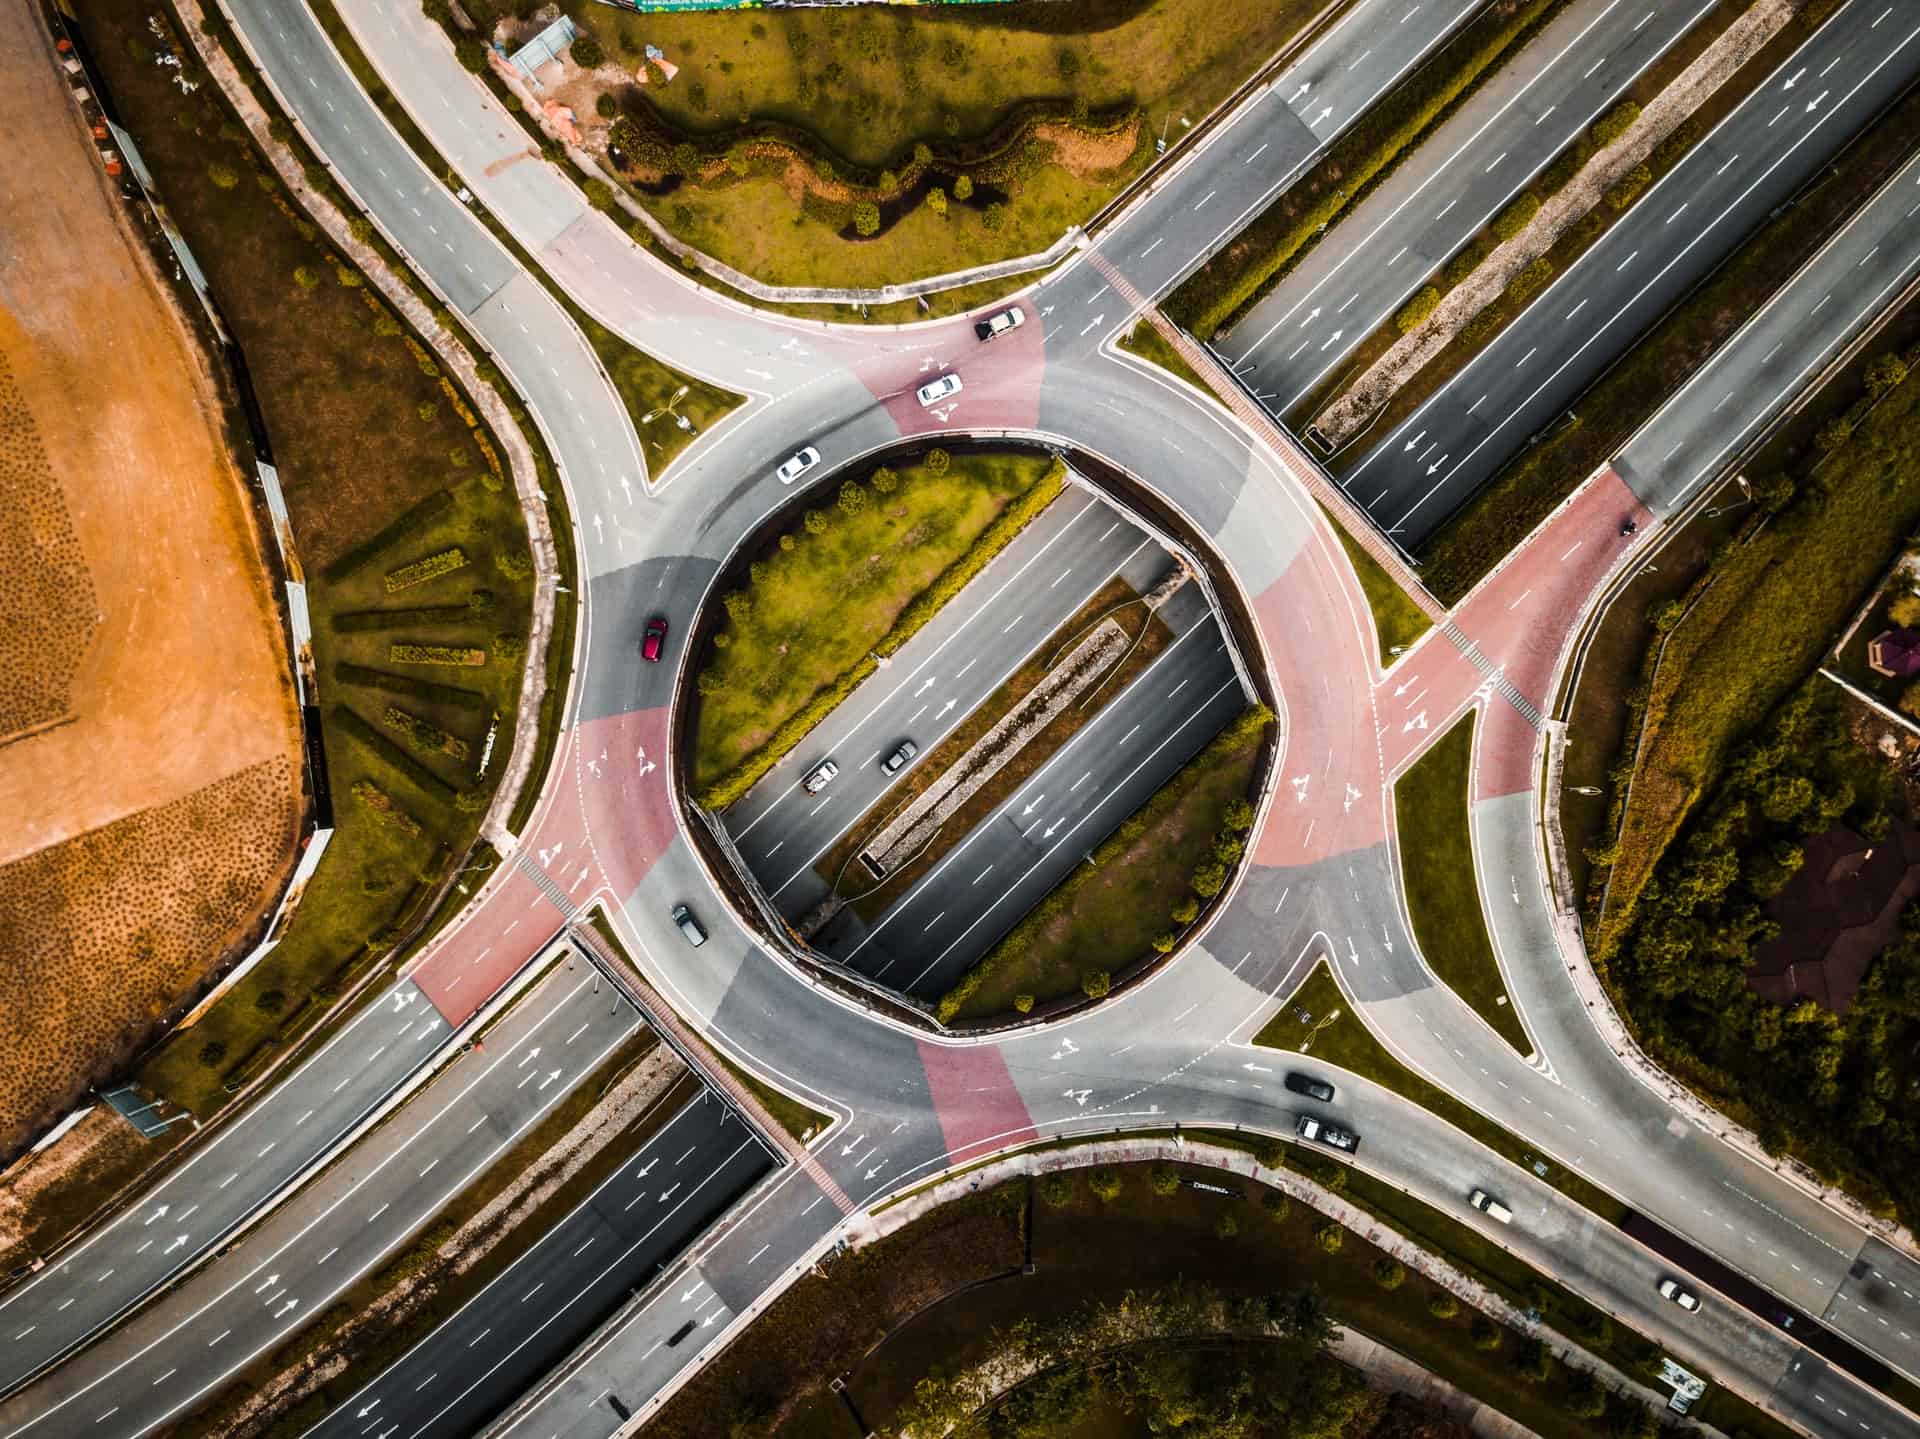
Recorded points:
799,1120
1347,1042
1526,491
373,1345
1149,344
1146,885
1430,804
861,89
364,429
1396,618
851,577
1257,258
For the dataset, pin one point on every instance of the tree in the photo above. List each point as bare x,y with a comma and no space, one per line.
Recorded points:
1905,610
1164,1178
817,522
1585,1398
937,200
936,462
739,606
1209,879
963,187
213,1052
853,498
1023,1003
599,195
788,544
1105,1184
922,153
605,106
685,158
1164,942
1276,1204
1068,64
223,175
1097,985
1534,1360
305,276
1910,699
586,51
1388,1272
1485,1333
1442,1305
1238,816
1884,373
1226,1226
1833,434
1330,1236
866,218
1186,911
471,53
889,182
884,481
992,216
1056,1189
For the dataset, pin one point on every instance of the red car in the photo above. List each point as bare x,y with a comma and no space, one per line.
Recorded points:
655,640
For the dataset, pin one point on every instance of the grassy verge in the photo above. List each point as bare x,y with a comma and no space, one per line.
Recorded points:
1527,489
1430,804
368,1347
801,1121
643,383
1234,280
830,105
843,585
1397,620
1146,884
1149,344
1116,600
365,429
1348,1043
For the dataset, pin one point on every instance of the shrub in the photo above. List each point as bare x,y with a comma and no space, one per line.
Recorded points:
599,195
739,606
1097,985
1624,191
993,216
213,1053
1516,217
1329,1236
223,175
1105,1184
1615,123
1164,1178
1532,277
1534,1360
1209,879
426,410
1585,1398
1270,1152
386,811
455,655
1905,611
1238,816
936,462
1023,1003
1485,1333
937,200
605,106
853,498
305,276
1884,373
1418,309
414,519
1442,1305
816,522
866,218
508,647
586,52
1388,1272
422,777
963,187
1277,1205
1186,911
884,481
471,53
1164,943
1226,1226
1056,1189
431,567
515,563
270,1001
412,686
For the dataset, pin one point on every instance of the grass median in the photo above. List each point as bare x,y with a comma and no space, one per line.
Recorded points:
1347,1042
1431,804
856,577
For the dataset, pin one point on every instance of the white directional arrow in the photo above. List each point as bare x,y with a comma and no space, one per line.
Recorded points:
1386,939
1035,805
1331,339
1067,1046
857,1141
626,488
1419,721
1794,78
1814,103
553,1075
1402,688
272,1279
1257,1068
177,1243
1434,467
1313,315
693,1291
944,708
876,1169
708,1322
1305,85
1317,119
1353,955
599,529
1094,321
926,685
667,1193
1080,1096
1047,833
404,998
1352,795
528,1057
292,1304
643,1173
1299,783
368,1410
159,1213
1045,310
1414,441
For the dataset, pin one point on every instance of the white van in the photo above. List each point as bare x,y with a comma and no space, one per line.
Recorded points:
1489,1206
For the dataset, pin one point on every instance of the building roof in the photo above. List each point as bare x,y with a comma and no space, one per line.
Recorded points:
1895,652
1835,915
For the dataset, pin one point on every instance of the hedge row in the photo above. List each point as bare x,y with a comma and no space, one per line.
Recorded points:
993,539
416,654
423,734
430,567
355,621
386,809
1360,159
425,779
950,581
466,699
414,520
1246,728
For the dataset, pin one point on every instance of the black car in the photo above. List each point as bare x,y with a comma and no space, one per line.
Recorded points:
1313,1088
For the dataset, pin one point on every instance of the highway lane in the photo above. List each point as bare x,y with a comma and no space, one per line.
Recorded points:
1467,170
1771,144
292,1265
500,1342
959,908
220,1185
1774,356
932,685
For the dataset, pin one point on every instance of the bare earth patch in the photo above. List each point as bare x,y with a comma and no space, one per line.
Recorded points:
149,768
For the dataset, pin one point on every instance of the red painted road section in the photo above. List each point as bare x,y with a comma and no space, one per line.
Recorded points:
621,806
1328,800
466,966
1000,378
1421,695
975,1099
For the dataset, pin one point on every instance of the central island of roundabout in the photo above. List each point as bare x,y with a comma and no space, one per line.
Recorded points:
969,729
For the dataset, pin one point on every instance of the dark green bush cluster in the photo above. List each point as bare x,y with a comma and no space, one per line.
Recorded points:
412,686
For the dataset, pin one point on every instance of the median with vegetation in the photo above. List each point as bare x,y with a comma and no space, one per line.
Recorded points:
850,582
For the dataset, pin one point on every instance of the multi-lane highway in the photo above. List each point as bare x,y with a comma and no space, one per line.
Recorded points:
1322,875
1751,162
1466,171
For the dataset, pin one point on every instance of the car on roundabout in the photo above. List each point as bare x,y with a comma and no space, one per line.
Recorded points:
797,464
934,391
994,326
1320,1131
1309,1086
654,640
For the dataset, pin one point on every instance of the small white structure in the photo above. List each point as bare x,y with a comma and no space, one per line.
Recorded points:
543,49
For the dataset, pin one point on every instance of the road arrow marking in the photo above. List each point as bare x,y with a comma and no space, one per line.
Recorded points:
1353,955
855,1144
1419,721
1314,315
1814,103
158,1213
1080,1096
292,1304
643,1173
1386,939
944,708
1299,783
555,1074
1094,321
667,1193
1332,338
1047,833
1045,310
1067,1046
272,1279
529,1055
1305,85
925,686
177,1243
876,1169
1414,441
1432,468
1321,117
1794,78
368,1410
1032,807
1257,1068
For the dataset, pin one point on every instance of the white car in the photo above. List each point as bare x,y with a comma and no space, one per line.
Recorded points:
794,468
820,777
934,391
996,325
1676,1291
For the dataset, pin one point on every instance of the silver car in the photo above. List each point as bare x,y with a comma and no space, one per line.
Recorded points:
897,761
802,461
820,776
934,391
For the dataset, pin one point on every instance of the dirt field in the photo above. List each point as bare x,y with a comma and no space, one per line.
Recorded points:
149,771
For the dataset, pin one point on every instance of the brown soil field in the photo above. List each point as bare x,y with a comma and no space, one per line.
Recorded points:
149,750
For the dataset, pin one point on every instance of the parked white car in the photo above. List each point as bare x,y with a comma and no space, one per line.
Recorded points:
934,391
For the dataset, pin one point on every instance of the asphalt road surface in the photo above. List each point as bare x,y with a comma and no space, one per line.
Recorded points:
961,906
292,1265
1485,153
1414,475
499,1344
932,685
